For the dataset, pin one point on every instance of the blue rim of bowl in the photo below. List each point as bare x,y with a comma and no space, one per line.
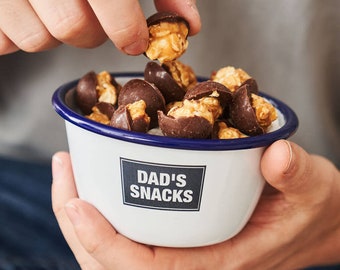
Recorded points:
287,130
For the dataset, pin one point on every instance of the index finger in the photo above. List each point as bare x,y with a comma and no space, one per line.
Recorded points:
124,23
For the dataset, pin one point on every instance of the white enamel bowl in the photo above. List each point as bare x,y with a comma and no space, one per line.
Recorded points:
166,191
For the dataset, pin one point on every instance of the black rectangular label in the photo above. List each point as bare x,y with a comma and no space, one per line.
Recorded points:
162,186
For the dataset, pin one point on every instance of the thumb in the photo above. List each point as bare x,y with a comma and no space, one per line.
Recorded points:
291,170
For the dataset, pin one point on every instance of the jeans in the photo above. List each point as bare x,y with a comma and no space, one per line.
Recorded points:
29,234
30,238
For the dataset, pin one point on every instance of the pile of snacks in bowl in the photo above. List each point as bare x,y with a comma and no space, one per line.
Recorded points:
183,109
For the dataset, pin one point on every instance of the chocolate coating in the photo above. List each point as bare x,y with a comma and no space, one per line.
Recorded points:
156,74
116,84
193,127
170,17
252,85
140,125
86,93
137,89
205,89
243,114
216,129
106,108
121,118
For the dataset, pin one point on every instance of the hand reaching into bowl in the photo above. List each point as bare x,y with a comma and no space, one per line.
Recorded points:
296,223
42,25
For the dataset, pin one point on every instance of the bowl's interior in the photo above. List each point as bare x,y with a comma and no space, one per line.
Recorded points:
64,103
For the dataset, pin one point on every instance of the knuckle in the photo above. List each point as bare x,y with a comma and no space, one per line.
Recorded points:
57,209
93,247
33,42
69,27
126,34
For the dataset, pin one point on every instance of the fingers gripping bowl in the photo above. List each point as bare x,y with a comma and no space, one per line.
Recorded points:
165,191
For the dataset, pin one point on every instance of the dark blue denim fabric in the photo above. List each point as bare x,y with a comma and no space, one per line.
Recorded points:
29,234
30,238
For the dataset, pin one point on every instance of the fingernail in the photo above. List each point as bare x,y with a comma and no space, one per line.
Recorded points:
57,166
72,212
137,47
289,163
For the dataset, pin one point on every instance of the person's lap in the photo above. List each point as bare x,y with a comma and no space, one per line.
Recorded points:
29,237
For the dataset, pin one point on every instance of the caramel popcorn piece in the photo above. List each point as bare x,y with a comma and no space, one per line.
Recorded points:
225,132
265,111
181,73
167,36
231,77
107,92
98,116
